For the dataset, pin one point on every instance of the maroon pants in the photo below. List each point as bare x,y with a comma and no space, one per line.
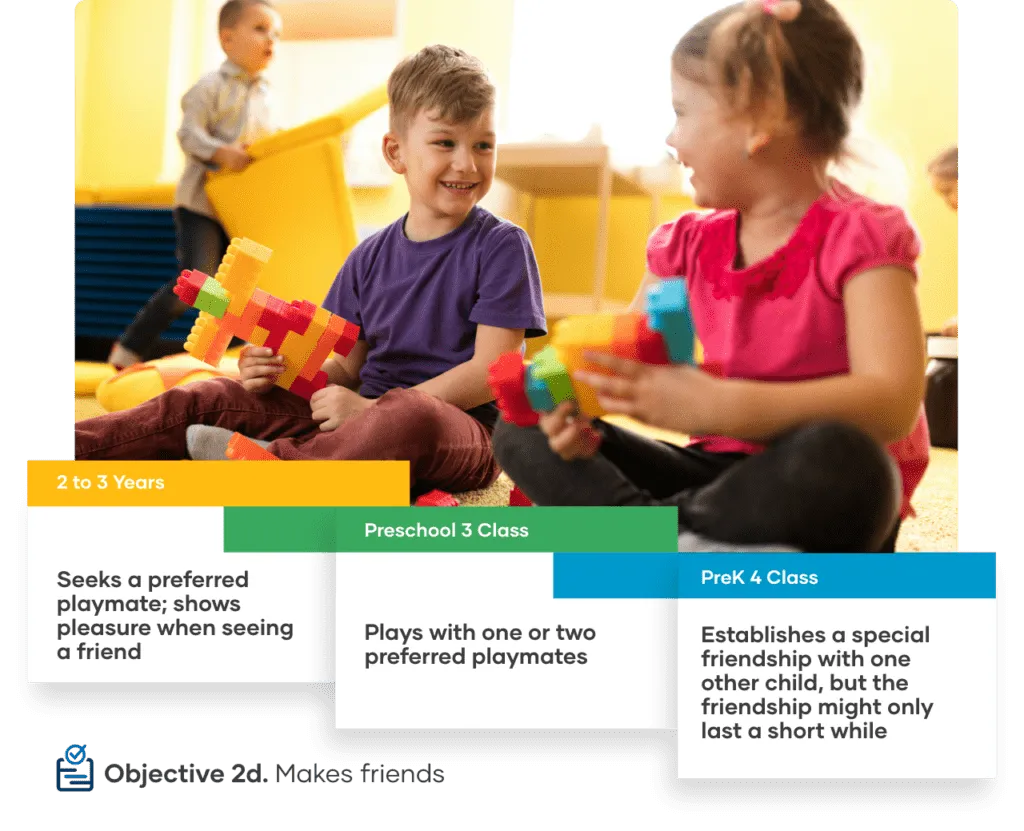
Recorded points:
445,447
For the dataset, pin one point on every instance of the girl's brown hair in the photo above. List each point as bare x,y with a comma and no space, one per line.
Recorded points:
809,67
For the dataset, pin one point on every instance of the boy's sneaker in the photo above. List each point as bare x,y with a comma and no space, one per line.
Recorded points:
121,358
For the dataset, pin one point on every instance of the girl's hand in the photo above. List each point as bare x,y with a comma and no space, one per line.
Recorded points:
570,436
678,397
259,368
333,406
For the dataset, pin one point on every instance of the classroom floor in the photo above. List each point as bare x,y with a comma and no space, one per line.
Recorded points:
933,529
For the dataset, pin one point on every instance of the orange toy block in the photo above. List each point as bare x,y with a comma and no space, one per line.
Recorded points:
241,448
326,344
236,326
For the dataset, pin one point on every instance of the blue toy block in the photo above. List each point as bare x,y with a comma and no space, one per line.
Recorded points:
537,391
668,312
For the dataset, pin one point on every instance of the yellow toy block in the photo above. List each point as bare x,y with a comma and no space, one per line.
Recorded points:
203,331
240,271
299,350
259,336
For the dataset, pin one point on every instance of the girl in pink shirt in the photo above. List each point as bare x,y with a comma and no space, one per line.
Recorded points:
806,416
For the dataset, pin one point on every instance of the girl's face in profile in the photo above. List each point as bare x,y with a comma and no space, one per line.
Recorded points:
708,141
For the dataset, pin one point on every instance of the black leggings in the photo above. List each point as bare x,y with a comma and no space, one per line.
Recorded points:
823,487
201,243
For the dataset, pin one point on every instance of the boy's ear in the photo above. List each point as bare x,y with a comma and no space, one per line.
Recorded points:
392,149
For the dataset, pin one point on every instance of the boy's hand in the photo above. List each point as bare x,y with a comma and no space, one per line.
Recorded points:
570,435
259,368
333,406
232,156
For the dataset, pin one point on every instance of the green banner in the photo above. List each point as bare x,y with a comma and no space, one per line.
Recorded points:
449,529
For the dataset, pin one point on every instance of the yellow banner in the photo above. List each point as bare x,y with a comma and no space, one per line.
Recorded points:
210,484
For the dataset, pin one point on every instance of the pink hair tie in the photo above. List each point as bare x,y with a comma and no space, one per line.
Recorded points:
782,10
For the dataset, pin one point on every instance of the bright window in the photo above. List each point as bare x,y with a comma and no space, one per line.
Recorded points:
576,64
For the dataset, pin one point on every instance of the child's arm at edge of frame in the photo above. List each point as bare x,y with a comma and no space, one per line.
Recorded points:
465,386
344,371
881,394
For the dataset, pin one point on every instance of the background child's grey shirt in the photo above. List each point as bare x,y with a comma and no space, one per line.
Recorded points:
223,107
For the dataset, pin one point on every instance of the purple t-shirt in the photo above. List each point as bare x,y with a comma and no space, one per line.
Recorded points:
418,303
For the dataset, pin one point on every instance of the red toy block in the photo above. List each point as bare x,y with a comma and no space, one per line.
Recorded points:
634,339
241,448
507,379
650,345
349,336
518,499
188,285
300,314
305,388
437,499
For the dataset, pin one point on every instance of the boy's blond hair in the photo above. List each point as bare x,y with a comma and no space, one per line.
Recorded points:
232,11
439,79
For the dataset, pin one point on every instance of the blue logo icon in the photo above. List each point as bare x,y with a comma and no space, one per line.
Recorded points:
74,770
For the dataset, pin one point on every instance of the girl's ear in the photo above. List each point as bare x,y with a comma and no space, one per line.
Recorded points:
392,149
757,142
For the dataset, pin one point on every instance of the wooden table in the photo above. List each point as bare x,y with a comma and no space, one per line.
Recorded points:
570,169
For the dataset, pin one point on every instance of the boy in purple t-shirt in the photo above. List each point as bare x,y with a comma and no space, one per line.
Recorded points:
437,296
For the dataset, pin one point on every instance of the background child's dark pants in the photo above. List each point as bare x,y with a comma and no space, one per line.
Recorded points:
446,447
201,244
822,487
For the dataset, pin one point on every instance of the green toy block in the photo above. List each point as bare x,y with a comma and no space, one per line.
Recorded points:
550,370
212,298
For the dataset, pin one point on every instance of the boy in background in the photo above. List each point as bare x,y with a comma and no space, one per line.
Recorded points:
438,295
223,114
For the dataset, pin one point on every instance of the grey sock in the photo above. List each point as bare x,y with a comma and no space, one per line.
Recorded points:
208,443
693,542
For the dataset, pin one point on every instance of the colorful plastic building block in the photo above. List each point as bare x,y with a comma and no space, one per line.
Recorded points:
231,306
437,499
240,448
518,499
662,335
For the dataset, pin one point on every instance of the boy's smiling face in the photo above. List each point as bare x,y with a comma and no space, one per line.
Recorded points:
448,168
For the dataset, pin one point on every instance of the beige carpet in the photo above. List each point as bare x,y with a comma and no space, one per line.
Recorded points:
933,529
